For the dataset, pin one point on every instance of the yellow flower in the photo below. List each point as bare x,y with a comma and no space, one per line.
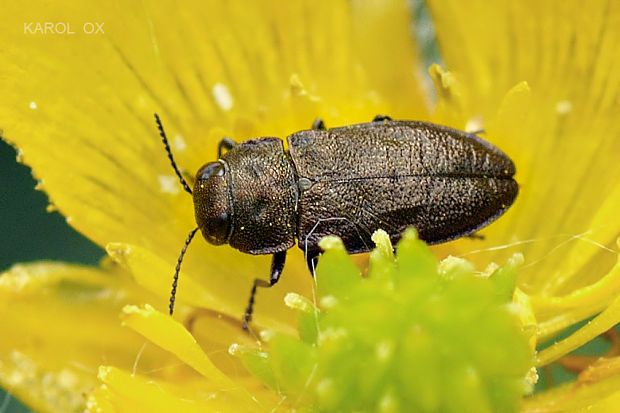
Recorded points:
538,77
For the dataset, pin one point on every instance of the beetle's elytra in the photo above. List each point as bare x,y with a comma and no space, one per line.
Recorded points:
347,181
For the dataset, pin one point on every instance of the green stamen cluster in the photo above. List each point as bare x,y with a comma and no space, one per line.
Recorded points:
415,335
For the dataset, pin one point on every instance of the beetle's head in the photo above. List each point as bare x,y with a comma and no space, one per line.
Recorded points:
212,202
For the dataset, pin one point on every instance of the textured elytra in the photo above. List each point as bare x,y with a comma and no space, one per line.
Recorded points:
393,174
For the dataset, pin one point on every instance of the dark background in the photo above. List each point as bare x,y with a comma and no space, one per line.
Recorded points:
29,233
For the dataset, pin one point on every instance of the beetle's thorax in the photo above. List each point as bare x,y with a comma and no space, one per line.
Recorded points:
263,196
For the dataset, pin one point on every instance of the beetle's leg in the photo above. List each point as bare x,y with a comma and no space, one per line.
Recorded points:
477,131
476,236
277,265
312,261
318,124
199,313
381,118
226,143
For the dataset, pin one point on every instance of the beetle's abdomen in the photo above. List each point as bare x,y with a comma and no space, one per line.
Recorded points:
391,175
263,196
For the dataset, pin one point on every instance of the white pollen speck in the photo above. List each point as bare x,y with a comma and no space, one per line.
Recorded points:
178,143
169,184
222,96
475,124
563,107
234,349
32,105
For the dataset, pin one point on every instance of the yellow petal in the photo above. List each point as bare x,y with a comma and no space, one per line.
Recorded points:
562,130
58,323
122,392
172,336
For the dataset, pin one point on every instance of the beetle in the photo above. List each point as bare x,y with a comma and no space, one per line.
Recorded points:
348,181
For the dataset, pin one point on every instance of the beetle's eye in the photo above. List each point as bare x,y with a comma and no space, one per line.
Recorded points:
211,203
210,169
218,226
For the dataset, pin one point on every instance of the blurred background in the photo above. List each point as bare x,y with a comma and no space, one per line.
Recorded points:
30,233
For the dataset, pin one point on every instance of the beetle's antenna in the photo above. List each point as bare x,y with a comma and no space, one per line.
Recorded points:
176,271
164,139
